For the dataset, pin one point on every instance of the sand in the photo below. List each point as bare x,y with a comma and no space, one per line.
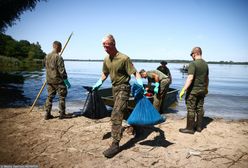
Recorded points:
27,139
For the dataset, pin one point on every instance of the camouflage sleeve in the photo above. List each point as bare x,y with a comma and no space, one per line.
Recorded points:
191,70
129,67
61,67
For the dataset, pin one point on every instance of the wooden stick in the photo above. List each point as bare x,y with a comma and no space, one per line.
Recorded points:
66,44
44,84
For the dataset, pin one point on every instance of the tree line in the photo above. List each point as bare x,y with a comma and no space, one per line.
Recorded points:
22,50
158,61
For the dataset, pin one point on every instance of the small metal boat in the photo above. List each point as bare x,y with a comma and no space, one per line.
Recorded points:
170,98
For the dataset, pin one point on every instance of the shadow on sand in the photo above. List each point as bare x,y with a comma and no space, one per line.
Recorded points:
142,133
206,121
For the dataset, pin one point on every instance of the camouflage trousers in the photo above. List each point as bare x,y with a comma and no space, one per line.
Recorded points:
121,96
158,98
194,105
52,89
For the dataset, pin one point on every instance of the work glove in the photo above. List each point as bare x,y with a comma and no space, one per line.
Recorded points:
97,85
156,88
181,93
145,92
67,83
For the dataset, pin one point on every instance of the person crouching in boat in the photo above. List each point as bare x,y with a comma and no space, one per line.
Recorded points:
162,83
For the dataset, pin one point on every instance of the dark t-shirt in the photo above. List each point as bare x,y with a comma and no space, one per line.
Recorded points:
157,72
120,68
165,70
199,69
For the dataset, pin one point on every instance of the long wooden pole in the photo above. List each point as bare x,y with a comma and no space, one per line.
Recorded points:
44,84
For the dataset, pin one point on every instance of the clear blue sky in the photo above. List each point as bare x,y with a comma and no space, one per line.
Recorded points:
144,29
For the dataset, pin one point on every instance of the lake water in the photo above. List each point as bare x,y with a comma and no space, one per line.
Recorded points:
227,98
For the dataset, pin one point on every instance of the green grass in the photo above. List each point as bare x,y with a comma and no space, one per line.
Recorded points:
10,64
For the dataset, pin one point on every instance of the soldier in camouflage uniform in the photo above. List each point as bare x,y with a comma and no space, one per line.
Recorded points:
162,83
196,87
56,78
120,68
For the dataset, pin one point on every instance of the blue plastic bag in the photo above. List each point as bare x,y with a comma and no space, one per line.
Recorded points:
144,112
137,91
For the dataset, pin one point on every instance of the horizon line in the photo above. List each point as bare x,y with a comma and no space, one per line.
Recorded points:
159,60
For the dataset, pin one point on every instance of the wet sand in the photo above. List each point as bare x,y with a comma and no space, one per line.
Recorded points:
27,139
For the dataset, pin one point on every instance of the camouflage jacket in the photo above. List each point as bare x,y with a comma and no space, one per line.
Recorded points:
55,68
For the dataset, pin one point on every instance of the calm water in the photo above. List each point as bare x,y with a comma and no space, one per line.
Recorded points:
227,98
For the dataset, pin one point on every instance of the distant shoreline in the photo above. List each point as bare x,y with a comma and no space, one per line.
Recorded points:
169,61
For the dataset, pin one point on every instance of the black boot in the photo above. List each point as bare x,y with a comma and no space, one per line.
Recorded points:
64,116
199,123
48,116
112,150
190,126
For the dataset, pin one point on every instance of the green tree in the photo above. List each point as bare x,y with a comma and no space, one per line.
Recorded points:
10,11
23,47
35,52
20,49
5,40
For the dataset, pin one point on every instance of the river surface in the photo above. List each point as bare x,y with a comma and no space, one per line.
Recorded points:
227,98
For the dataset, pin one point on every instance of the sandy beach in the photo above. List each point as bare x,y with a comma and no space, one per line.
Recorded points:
27,139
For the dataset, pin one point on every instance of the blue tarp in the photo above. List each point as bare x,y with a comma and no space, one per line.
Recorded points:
144,112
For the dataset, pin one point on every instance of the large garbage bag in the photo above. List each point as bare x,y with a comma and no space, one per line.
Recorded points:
144,112
94,106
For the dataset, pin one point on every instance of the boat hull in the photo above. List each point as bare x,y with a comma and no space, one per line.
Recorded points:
169,99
